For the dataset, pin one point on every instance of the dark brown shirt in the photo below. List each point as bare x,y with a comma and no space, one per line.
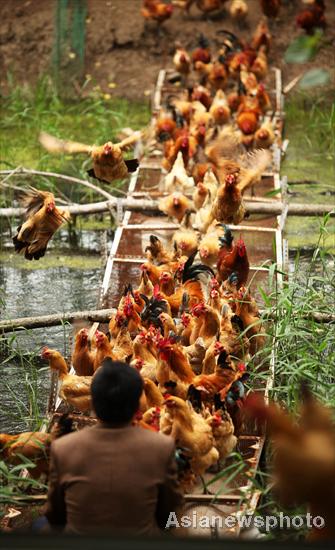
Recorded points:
106,479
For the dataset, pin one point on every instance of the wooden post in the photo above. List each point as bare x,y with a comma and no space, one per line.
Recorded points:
69,42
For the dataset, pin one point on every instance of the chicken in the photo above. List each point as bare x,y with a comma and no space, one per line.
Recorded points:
202,53
212,352
185,239
192,433
152,417
209,249
33,446
237,177
260,66
208,6
220,381
157,253
206,189
238,10
265,136
182,61
226,245
270,8
103,349
156,10
251,322
186,144
123,348
200,170
82,357
145,351
261,36
234,403
108,162
219,109
166,283
165,127
176,359
175,205
75,390
215,74
207,323
248,115
177,179
228,206
151,396
304,459
223,431
312,17
196,354
43,219
235,261
202,94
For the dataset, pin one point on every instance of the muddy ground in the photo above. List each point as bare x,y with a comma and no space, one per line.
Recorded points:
121,52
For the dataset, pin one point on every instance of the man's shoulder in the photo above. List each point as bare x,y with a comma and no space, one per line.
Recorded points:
69,441
156,439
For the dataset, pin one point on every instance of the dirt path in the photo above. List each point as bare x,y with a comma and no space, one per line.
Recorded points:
118,49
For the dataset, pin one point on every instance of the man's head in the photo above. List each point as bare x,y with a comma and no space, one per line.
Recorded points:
116,390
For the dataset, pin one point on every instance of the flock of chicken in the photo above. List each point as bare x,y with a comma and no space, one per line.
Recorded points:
191,326
311,17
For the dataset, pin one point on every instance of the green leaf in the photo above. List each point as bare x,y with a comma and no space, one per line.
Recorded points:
303,48
314,77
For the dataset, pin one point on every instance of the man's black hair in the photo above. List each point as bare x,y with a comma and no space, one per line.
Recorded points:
116,390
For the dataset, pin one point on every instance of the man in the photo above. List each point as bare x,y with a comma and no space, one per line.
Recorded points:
115,476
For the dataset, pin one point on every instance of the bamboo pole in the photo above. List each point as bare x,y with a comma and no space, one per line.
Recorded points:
25,323
102,316
137,205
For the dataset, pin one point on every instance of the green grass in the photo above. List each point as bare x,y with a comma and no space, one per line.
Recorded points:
93,119
310,127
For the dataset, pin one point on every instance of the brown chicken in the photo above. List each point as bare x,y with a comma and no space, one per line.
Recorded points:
192,433
203,95
175,206
82,357
202,52
165,127
208,6
270,8
261,36
236,262
75,390
304,458
221,380
182,61
265,136
43,219
223,431
260,66
33,446
156,10
238,11
312,17
186,144
206,325
103,349
219,109
108,162
175,357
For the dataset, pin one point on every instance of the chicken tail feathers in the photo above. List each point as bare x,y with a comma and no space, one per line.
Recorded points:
132,165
